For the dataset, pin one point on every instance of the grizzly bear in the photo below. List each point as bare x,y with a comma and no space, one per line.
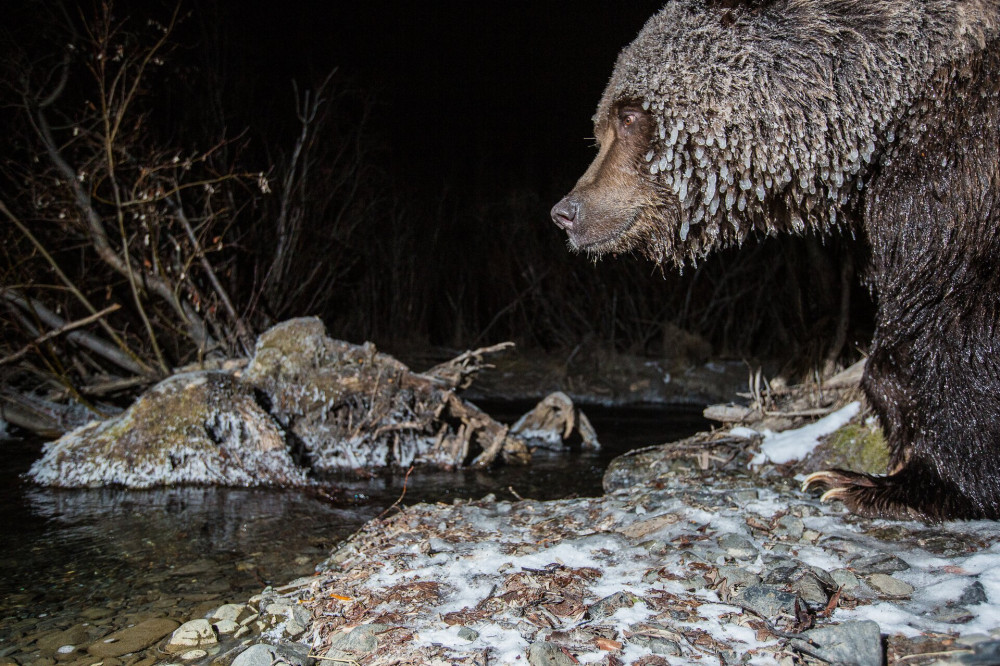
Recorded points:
878,118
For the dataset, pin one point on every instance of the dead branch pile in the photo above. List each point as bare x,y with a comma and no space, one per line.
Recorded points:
304,402
350,406
776,406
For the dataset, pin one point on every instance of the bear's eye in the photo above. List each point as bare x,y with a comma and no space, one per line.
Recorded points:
628,119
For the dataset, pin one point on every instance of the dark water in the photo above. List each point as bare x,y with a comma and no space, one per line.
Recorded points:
68,550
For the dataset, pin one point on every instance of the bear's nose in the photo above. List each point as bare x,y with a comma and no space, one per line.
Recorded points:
564,213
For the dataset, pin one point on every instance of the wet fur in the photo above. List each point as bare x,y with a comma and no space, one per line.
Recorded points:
894,139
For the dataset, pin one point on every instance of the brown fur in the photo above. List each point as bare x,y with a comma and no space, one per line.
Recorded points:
877,117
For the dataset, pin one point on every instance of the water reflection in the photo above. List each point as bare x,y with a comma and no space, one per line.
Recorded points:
125,550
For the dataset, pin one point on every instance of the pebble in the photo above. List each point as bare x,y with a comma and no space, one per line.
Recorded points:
231,612
225,627
791,527
810,589
768,601
890,586
195,633
465,633
881,563
543,653
270,655
609,604
849,643
974,594
737,576
58,640
657,645
738,547
293,618
359,641
191,655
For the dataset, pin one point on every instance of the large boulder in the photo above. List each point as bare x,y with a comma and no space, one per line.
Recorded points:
194,428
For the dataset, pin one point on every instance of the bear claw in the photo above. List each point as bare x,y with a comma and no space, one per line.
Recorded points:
835,479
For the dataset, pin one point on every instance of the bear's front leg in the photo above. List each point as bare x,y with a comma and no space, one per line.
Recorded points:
933,379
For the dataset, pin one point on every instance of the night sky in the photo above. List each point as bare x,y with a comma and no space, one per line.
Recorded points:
468,94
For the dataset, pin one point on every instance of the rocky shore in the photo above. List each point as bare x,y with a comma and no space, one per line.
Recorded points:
701,551
693,556
703,563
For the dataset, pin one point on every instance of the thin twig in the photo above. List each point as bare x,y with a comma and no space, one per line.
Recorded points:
242,334
401,495
59,331
943,653
140,366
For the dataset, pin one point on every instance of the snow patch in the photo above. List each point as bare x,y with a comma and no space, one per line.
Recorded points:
783,447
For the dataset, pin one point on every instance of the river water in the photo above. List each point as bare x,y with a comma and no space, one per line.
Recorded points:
185,550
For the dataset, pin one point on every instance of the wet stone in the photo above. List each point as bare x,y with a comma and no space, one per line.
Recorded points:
766,600
850,643
890,586
882,563
133,638
738,547
543,653
68,653
75,635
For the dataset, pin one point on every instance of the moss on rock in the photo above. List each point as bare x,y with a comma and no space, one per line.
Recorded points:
197,427
859,447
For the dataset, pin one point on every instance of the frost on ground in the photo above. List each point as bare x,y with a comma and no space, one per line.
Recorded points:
701,560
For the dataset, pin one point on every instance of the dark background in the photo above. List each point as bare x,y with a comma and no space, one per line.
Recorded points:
468,94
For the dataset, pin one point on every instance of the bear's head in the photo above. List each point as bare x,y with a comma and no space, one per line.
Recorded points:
725,119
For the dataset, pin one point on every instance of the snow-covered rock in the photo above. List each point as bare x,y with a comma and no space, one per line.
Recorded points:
194,428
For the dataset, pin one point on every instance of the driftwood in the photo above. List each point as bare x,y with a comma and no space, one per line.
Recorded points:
304,403
777,407
556,421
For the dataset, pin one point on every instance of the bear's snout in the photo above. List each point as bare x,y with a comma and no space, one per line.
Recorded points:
565,212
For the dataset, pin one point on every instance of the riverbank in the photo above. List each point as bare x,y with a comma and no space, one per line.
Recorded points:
694,555
701,551
711,561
